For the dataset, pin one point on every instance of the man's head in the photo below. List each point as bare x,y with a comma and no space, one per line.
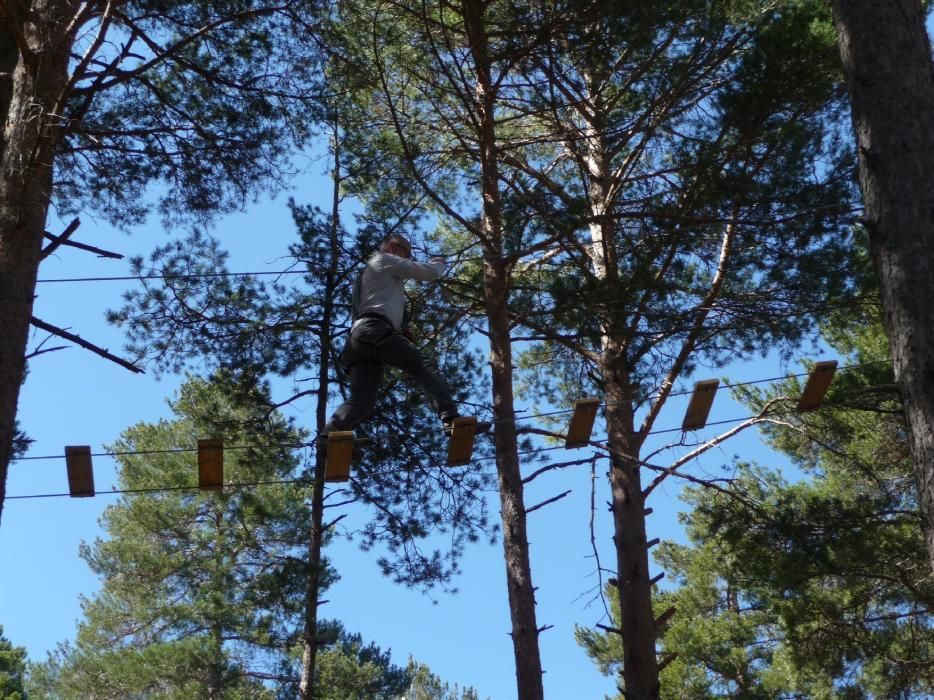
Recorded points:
396,244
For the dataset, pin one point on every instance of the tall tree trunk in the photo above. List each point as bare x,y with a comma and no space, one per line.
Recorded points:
29,137
496,287
9,56
640,669
637,627
316,539
512,504
216,661
887,60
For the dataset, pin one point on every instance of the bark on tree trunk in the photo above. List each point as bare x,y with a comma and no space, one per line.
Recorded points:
887,61
306,686
496,288
217,664
306,689
640,667
29,136
637,628
512,504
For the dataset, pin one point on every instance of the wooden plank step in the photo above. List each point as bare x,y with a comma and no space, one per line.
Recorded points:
211,463
816,387
80,471
340,452
695,416
585,412
460,448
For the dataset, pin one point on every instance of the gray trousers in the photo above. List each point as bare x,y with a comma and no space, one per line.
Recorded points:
374,343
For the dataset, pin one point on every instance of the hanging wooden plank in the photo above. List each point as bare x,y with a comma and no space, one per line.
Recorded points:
211,463
695,416
816,387
460,448
585,412
80,471
340,452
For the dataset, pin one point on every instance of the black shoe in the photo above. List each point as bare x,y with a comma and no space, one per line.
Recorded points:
483,426
358,441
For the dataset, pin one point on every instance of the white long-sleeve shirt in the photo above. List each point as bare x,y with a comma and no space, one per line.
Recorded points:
382,289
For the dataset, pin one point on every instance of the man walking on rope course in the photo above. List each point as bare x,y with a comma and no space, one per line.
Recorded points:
377,336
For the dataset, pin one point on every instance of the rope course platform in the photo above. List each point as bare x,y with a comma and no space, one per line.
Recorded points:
341,444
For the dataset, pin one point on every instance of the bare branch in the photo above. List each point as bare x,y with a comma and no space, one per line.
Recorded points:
37,352
61,239
58,241
77,340
328,526
546,502
761,417
701,311
593,534
551,467
80,17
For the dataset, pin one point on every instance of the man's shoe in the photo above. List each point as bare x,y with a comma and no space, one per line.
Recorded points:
483,426
358,441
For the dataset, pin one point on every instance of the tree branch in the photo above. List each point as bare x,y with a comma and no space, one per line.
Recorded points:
551,467
61,239
546,502
668,471
58,241
77,340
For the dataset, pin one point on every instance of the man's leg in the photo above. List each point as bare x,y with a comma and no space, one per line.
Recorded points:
365,378
398,351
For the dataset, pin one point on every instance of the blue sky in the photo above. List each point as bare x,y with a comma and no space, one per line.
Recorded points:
74,397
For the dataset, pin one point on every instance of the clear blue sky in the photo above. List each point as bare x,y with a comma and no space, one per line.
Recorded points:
74,397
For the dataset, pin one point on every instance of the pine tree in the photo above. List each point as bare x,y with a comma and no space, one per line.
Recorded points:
654,165
206,98
12,670
201,591
694,226
816,588
886,56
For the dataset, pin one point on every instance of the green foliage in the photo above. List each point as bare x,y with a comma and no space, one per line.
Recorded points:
817,588
202,593
253,330
698,127
21,441
348,669
425,685
12,670
208,98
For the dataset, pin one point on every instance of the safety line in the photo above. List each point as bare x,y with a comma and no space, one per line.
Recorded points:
305,481
534,451
515,419
164,489
200,275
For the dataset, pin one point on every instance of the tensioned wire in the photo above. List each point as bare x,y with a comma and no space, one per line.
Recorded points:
307,481
515,419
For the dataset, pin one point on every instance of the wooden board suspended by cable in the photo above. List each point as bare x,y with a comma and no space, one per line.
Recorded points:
342,447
